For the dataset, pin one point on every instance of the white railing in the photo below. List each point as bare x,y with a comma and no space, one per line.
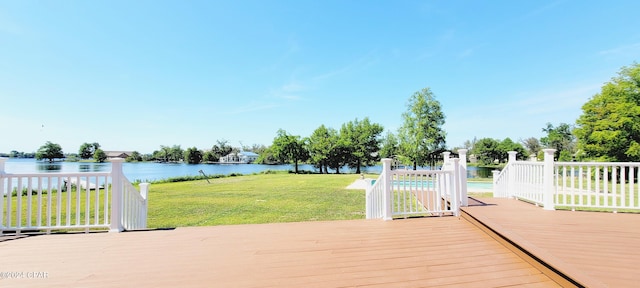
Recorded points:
526,181
500,183
134,206
601,185
70,201
423,192
571,185
404,193
378,205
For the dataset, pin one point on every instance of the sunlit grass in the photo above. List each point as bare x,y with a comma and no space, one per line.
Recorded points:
480,194
263,198
62,210
249,199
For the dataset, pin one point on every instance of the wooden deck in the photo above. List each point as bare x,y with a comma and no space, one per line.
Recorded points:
425,252
597,249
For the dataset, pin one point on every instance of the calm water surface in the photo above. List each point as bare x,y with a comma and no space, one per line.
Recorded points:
150,171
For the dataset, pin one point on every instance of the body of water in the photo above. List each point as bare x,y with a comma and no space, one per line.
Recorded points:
150,171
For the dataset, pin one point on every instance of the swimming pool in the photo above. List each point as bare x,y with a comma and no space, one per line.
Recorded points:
471,185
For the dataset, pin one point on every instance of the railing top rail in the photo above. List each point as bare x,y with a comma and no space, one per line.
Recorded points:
634,164
56,174
421,172
534,163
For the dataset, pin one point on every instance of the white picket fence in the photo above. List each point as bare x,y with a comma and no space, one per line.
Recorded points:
571,185
71,201
404,193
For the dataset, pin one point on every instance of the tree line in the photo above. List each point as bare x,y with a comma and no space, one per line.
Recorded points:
488,151
358,143
607,130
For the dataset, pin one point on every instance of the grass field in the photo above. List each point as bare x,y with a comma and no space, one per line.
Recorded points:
262,198
248,199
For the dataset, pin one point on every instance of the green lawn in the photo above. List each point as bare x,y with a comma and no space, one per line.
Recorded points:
262,198
249,199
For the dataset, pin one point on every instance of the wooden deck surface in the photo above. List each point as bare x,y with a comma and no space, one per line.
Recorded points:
421,252
596,249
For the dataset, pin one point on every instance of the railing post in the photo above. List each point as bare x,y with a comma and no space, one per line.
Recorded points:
2,187
496,193
511,184
547,181
457,188
445,157
386,172
464,200
116,195
512,156
144,192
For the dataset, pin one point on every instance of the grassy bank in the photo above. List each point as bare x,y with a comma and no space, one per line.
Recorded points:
262,198
250,199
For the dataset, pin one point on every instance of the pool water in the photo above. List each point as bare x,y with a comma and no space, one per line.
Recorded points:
471,185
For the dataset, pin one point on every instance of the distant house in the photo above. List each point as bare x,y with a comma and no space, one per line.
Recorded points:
245,157
118,154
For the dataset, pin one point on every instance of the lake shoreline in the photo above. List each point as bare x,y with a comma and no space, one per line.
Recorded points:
153,171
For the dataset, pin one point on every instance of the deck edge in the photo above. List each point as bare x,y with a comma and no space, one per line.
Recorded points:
557,270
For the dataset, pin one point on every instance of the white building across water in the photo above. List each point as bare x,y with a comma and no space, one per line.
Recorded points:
245,157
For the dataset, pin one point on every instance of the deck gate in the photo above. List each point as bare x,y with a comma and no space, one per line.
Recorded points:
404,193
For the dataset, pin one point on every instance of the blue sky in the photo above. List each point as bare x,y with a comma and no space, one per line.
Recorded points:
134,75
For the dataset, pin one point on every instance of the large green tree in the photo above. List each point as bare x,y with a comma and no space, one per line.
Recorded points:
169,154
487,151
209,157
421,136
609,127
390,147
363,139
99,155
339,154
319,145
163,154
532,144
49,151
220,149
289,148
560,138
507,145
134,157
87,149
193,155
176,153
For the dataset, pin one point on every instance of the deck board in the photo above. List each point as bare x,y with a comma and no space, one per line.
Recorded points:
598,249
421,252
